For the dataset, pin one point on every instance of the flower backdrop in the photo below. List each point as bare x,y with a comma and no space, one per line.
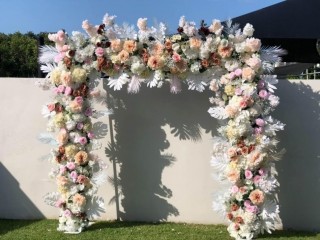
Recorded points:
226,59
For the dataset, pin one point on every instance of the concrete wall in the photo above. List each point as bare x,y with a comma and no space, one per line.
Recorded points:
162,145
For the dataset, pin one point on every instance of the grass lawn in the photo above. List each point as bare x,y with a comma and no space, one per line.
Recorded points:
46,229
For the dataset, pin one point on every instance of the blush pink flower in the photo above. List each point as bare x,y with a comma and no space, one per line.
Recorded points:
234,189
238,72
71,166
249,207
82,140
62,169
176,57
68,91
248,74
67,213
74,175
60,89
257,179
248,174
60,203
260,122
78,100
79,126
99,51
51,107
90,135
263,94
258,130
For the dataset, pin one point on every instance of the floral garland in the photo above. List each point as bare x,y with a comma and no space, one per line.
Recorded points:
227,59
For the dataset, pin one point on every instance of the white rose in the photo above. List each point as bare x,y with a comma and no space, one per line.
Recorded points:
248,30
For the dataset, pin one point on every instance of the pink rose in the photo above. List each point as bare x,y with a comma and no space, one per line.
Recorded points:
88,112
82,140
261,172
238,91
238,72
60,89
71,166
79,100
234,189
99,51
68,91
60,203
250,208
63,169
260,122
74,175
243,103
176,57
263,94
90,135
248,174
232,75
232,152
51,107
67,213
79,126
256,179
258,130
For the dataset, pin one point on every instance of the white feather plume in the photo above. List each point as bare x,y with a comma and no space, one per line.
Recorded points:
47,54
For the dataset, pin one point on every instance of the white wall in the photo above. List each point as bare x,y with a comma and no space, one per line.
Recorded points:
163,144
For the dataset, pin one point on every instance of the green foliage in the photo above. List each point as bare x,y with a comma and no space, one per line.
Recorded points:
46,229
19,54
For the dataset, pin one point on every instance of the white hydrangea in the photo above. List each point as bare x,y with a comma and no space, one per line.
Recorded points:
195,67
137,67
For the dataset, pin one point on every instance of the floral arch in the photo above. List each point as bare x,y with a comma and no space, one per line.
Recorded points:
224,58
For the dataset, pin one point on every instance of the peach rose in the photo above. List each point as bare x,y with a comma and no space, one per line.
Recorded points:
215,27
62,180
63,136
123,56
231,111
254,63
155,62
75,107
66,78
253,44
256,197
157,49
130,46
225,52
116,45
232,152
233,175
255,158
195,43
248,74
79,200
83,180
81,158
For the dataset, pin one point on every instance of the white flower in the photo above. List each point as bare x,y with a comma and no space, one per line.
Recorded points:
216,27
108,20
248,30
232,65
274,100
137,67
182,21
142,24
195,67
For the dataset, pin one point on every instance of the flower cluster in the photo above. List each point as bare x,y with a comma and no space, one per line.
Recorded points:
229,60
69,115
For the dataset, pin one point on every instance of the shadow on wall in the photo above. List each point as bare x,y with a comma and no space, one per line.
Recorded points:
140,143
299,170
14,203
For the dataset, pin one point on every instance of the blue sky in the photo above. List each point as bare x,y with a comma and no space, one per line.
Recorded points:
50,16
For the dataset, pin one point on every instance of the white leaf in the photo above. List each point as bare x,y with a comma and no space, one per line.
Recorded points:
51,198
47,54
218,112
47,138
116,83
134,84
